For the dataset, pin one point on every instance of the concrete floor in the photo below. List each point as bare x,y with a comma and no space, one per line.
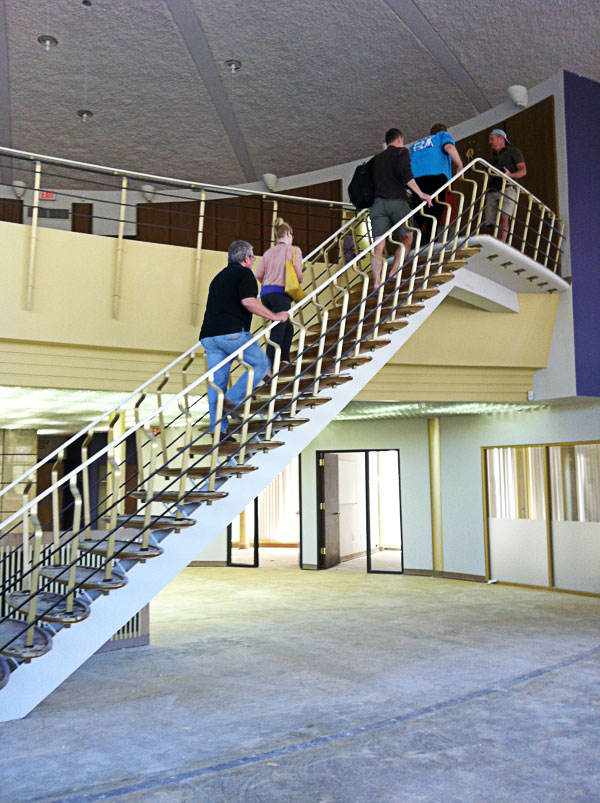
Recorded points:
330,687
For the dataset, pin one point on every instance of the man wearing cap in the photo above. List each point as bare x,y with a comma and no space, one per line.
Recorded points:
510,161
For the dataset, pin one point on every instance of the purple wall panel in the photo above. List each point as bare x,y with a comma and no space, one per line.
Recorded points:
582,118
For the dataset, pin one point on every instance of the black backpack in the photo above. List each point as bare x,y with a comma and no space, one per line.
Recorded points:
361,189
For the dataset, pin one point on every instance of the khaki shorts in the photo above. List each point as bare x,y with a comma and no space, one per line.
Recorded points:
387,211
492,203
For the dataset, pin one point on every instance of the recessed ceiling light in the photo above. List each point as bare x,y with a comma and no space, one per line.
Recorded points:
85,114
233,65
47,41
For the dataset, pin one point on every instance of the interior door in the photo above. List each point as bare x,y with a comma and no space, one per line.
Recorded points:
243,538
81,217
330,548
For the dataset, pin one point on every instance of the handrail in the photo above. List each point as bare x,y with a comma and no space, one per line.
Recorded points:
310,297
280,394
216,188
130,396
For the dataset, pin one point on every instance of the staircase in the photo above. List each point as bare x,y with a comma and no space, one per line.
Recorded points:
72,582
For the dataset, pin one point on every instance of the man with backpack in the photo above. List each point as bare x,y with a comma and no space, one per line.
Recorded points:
391,174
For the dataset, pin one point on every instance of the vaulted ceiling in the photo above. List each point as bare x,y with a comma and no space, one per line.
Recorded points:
321,80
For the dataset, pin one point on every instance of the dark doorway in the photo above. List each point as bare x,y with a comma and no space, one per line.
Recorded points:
11,210
359,509
243,541
81,218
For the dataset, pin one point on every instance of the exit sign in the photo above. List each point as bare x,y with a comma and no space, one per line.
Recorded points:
47,195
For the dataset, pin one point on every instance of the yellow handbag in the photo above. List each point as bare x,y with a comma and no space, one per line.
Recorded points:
292,285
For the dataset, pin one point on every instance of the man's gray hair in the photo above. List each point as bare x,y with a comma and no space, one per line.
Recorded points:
239,250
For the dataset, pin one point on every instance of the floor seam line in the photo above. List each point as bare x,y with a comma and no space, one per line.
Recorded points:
161,781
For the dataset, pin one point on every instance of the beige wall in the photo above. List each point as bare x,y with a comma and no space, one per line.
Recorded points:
462,353
70,339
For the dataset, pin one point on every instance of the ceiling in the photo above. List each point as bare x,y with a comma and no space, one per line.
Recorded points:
321,80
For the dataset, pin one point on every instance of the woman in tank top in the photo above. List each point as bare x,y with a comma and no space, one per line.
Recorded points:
270,272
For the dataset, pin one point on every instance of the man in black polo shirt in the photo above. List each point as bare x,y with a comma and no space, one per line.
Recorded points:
232,300
391,175
510,161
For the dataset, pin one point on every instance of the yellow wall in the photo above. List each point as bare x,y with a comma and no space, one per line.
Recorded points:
462,353
69,338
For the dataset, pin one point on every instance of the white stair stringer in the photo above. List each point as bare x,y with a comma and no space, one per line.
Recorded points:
32,682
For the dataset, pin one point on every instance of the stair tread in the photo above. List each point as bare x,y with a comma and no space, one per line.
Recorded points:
203,471
11,628
231,448
175,496
157,522
126,549
86,577
278,423
50,606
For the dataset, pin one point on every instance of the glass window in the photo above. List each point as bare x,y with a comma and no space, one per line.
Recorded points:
516,482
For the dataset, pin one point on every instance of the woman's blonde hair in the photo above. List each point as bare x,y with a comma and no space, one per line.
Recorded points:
280,227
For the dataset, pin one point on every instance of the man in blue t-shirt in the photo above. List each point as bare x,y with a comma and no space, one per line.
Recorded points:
431,160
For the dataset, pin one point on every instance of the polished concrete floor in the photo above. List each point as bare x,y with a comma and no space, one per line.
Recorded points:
335,686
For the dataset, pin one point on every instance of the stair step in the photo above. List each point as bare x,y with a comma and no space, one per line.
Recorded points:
204,471
441,278
344,363
4,673
51,607
156,523
11,628
467,252
283,402
454,264
228,447
387,300
392,326
278,423
367,344
326,380
127,549
187,499
86,577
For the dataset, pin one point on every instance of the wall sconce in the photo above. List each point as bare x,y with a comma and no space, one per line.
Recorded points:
518,94
270,181
148,191
18,188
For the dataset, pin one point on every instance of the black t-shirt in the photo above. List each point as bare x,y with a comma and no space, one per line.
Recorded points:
508,157
391,172
225,314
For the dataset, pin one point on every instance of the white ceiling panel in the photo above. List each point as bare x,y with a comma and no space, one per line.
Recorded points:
321,80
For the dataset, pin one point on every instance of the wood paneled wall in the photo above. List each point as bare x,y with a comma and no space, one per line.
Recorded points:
228,219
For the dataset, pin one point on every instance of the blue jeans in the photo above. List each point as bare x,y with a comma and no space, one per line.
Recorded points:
217,349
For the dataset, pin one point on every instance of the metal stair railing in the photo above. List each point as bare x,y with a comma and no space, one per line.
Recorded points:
120,193
184,465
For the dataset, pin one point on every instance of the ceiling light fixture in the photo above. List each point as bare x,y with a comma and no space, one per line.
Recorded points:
84,113
148,191
518,94
47,41
18,188
233,65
